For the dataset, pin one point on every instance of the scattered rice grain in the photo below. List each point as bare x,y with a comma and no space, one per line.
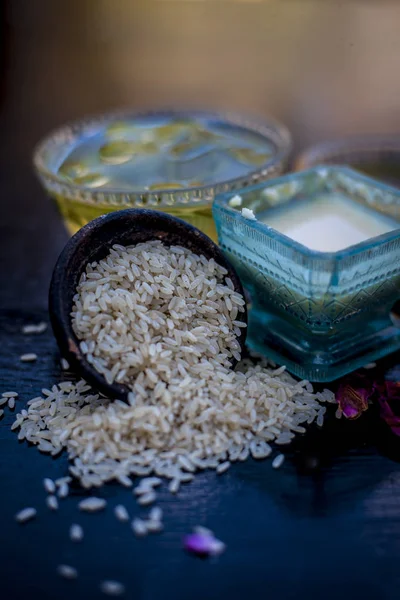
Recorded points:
25,515
154,526
76,533
61,480
63,490
39,328
139,527
174,486
278,461
121,513
203,530
155,514
52,502
125,480
49,485
28,357
146,499
151,481
64,364
112,588
67,571
223,467
92,504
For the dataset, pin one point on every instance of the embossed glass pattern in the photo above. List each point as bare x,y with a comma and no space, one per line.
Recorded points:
322,314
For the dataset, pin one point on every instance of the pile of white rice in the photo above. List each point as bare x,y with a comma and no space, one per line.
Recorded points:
149,315
164,321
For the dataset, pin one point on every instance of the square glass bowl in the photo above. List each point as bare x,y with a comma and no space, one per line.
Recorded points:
172,161
322,314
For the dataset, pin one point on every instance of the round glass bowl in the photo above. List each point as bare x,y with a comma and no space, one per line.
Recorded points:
375,155
173,161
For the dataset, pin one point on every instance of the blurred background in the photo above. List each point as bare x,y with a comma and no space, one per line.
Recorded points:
326,68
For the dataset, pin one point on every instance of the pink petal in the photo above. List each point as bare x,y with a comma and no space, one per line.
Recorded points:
353,395
203,545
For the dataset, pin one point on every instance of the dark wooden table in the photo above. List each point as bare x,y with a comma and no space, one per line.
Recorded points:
325,526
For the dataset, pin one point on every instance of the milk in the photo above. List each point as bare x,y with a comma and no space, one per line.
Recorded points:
328,223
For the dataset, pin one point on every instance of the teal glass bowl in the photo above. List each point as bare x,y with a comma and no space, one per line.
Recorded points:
322,314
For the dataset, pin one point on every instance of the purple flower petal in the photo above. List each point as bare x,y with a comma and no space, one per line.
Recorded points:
353,395
203,545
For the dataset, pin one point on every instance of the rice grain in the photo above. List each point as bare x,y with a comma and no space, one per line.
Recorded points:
121,513
174,486
154,526
52,502
278,461
25,515
39,328
28,357
64,364
67,572
76,533
63,490
49,485
155,514
112,588
139,527
147,498
223,467
92,504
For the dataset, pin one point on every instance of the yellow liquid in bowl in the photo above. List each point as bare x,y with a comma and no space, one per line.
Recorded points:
164,161
76,214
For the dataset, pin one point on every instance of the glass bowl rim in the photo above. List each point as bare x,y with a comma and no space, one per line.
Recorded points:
361,147
271,128
221,204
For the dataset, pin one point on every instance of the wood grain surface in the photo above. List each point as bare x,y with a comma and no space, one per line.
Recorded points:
326,525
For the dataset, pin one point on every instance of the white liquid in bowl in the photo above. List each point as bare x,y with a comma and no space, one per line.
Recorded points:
328,223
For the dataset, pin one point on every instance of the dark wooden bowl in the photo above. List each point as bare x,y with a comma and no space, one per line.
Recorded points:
92,243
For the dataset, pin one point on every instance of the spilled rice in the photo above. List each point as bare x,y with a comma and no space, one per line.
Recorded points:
228,416
165,322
